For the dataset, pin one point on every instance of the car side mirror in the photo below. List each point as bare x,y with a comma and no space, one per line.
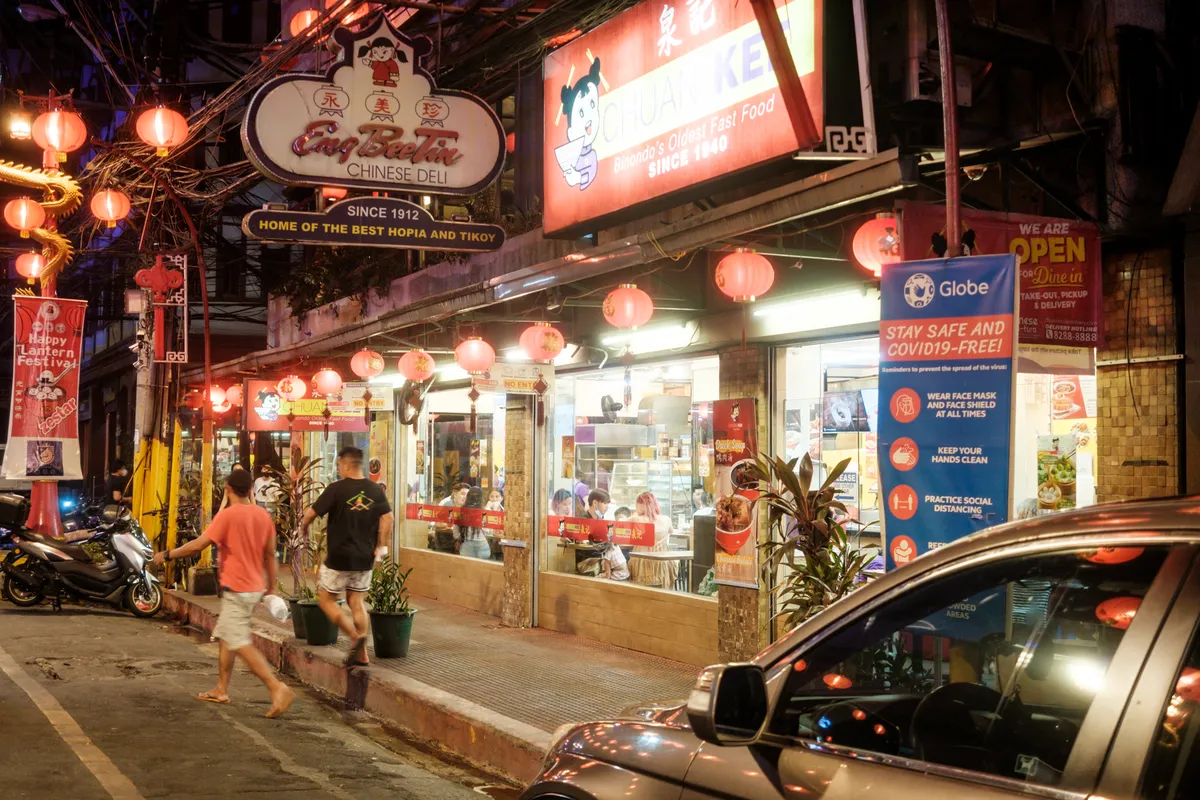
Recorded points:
728,705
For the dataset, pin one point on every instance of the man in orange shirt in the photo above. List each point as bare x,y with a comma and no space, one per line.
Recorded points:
245,538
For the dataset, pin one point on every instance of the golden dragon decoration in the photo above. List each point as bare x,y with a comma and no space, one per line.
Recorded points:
61,196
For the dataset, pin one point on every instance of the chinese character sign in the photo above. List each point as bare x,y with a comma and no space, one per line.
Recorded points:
43,423
665,96
374,120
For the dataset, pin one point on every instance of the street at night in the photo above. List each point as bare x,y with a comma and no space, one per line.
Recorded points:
600,399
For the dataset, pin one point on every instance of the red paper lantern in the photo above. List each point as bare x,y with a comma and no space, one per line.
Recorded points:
327,381
835,681
416,366
475,355
333,192
233,395
877,244
25,215
628,306
274,47
301,20
510,142
541,341
216,395
30,265
222,407
59,131
1118,612
110,206
193,400
366,363
744,275
291,388
162,128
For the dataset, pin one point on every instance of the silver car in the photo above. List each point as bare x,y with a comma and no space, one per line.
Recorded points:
1057,658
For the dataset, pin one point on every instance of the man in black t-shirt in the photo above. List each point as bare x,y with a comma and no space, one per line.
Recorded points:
357,533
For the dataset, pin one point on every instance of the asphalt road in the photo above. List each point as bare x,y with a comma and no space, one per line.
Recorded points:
96,704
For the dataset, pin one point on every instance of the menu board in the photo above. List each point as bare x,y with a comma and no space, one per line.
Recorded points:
735,438
947,337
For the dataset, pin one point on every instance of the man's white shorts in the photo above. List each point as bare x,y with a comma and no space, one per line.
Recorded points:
233,625
336,581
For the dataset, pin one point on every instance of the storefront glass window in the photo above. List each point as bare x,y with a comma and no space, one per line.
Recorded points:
648,461
451,465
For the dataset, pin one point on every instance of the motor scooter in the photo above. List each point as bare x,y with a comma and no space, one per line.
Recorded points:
42,566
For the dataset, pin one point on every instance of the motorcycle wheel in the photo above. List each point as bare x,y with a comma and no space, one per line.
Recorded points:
144,602
20,595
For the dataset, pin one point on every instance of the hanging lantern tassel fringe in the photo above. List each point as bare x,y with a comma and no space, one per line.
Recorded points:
326,414
540,386
473,395
367,406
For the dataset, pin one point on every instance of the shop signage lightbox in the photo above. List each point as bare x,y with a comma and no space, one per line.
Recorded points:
267,410
372,222
1059,261
665,96
947,339
374,120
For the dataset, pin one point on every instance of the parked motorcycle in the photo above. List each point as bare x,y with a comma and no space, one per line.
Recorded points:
42,567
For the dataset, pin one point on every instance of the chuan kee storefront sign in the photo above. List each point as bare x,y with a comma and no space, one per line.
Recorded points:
667,95
375,120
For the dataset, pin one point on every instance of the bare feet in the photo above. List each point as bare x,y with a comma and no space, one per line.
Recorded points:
281,700
213,696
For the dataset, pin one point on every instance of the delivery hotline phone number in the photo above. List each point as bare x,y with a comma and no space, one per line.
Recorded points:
1080,335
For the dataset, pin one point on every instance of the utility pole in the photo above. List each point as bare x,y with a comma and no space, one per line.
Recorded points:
949,130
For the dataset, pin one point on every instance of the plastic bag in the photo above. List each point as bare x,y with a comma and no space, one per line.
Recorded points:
276,606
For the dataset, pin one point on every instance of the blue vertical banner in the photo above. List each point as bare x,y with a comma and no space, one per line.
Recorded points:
947,338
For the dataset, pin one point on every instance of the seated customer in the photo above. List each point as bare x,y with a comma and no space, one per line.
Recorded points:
562,504
473,541
622,513
597,504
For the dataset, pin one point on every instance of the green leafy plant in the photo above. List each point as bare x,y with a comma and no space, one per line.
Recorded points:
297,489
808,537
389,589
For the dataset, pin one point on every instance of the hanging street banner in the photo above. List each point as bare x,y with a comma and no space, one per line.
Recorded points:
665,96
735,437
374,120
43,422
372,222
1061,299
267,410
947,338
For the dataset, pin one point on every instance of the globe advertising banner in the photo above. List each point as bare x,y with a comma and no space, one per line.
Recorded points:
43,421
665,96
947,336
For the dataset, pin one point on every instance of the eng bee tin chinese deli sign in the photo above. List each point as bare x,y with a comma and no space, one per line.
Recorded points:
665,96
374,120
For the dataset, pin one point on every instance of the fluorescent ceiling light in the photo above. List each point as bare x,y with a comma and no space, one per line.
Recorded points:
651,340
816,312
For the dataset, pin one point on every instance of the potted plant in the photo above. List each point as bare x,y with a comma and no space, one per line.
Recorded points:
319,629
295,490
808,537
391,615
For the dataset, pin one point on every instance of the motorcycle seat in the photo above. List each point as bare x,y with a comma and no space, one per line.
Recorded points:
70,550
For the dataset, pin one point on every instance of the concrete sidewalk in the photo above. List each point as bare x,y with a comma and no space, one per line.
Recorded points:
487,693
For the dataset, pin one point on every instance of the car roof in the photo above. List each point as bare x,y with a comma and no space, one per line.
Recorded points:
1180,515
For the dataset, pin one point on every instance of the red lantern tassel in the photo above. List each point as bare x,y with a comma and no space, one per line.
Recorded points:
367,406
474,395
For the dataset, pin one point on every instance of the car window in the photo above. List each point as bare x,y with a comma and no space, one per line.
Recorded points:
1174,769
991,669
